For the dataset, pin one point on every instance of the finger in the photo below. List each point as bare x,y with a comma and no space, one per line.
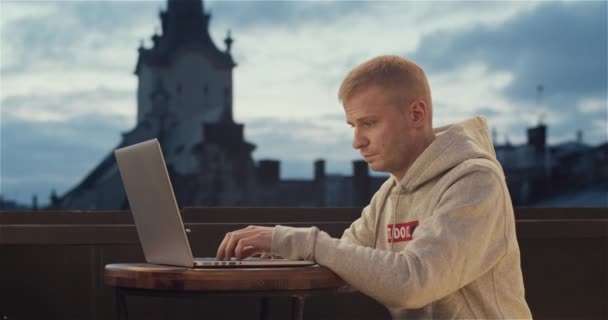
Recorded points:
235,237
226,249
246,247
230,244
260,238
247,252
265,255
220,249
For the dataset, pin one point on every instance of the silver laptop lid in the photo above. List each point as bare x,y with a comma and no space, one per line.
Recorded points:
153,205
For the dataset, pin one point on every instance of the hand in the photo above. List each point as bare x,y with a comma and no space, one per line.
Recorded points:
245,243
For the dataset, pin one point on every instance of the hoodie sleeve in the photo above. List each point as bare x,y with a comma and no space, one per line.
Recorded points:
463,239
361,231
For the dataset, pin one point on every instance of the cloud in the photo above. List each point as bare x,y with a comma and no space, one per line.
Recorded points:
73,35
66,70
560,45
425,16
304,139
282,14
62,107
40,156
557,44
592,105
64,59
294,69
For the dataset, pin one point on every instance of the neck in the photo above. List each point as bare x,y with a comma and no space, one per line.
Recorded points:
425,141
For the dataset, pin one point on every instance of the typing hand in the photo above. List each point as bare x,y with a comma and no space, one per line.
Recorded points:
266,255
244,243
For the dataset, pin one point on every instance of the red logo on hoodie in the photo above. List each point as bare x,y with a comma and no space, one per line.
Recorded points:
401,231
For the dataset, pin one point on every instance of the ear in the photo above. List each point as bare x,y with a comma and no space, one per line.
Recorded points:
418,113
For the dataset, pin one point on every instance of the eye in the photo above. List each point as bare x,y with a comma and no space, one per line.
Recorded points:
368,123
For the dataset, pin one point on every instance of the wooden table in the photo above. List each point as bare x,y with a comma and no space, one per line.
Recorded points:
157,280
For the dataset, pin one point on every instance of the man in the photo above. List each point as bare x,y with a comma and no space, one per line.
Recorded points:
438,239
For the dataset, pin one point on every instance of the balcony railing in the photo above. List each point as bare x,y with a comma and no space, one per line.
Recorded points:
51,264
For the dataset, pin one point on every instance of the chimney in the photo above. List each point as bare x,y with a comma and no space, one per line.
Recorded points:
320,182
35,202
579,136
319,170
268,171
361,183
537,137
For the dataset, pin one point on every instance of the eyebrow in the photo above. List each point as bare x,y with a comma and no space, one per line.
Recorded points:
362,119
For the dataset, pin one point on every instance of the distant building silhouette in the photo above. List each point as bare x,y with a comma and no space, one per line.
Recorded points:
184,99
8,204
536,171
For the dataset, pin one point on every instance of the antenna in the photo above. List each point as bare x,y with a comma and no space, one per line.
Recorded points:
541,118
539,94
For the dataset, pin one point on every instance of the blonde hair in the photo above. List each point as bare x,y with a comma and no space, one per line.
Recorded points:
388,72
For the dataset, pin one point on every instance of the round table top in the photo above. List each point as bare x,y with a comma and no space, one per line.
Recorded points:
160,277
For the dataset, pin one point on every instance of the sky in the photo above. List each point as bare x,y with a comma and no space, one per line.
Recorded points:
67,88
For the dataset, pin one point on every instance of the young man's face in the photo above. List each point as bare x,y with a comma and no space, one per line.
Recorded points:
382,132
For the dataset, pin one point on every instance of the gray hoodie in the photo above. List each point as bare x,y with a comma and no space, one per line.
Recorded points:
438,244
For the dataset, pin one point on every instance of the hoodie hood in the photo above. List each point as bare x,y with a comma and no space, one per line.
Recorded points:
462,141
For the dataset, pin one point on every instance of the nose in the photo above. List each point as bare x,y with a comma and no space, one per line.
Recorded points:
359,140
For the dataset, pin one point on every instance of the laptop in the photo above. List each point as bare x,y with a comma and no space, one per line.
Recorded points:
157,218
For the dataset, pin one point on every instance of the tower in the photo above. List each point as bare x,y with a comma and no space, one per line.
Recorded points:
184,99
184,67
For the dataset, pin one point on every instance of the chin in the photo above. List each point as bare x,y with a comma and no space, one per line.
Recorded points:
376,167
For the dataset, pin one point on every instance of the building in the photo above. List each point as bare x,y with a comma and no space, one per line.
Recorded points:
9,204
539,174
184,99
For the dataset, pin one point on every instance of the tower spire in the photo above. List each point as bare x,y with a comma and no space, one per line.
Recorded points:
184,24
185,20
228,41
